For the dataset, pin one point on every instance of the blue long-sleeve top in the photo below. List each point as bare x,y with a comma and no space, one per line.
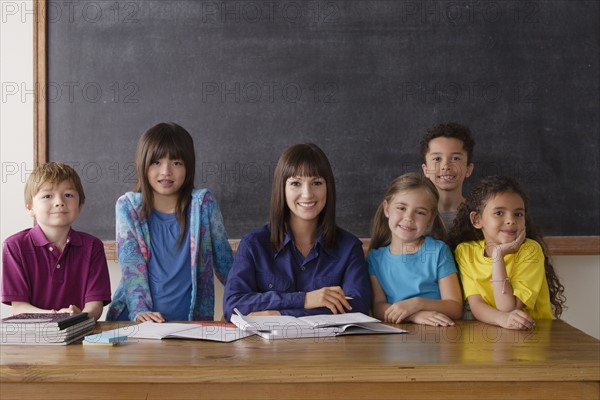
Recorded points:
210,254
261,279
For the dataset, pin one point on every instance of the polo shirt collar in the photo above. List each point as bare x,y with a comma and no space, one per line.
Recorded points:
39,239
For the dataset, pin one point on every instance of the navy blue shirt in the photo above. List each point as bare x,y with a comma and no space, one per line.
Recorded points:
261,279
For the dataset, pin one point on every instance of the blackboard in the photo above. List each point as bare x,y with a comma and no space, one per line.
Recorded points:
362,79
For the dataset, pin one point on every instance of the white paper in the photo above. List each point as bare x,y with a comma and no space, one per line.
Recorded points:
202,331
318,321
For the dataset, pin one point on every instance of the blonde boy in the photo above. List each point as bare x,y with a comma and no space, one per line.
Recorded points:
51,267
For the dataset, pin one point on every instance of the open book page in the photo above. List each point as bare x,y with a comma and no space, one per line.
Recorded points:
315,327
319,321
368,328
153,330
265,323
212,331
300,331
279,327
218,332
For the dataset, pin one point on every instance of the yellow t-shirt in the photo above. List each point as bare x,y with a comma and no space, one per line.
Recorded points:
525,269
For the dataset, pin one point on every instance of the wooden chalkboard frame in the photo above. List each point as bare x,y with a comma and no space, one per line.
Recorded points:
558,245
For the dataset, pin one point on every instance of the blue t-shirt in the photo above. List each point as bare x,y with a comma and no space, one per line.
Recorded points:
169,267
404,276
261,279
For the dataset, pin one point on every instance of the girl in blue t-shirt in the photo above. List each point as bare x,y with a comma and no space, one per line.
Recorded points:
170,235
413,274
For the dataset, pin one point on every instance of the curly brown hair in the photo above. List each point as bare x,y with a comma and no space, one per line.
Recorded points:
464,231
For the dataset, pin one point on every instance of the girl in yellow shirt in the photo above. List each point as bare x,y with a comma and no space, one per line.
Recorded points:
506,276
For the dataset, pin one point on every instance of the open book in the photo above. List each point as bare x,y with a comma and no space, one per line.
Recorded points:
315,326
218,332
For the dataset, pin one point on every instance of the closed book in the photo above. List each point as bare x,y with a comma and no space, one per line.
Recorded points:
60,320
41,333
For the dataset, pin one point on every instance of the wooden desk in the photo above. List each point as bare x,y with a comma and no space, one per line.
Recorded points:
469,361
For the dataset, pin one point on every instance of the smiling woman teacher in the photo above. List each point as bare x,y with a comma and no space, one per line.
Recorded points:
301,263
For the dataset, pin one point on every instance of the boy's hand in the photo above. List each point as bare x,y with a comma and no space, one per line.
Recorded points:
71,310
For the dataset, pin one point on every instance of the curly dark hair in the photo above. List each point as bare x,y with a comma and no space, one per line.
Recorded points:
449,130
464,231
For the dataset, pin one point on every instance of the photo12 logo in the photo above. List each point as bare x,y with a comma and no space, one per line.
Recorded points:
269,92
435,92
238,172
16,171
71,92
461,13
290,12
70,11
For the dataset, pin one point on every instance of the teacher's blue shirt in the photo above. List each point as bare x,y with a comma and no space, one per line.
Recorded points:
261,279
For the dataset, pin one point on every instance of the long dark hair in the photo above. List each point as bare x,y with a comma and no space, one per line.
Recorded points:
380,230
306,160
464,231
172,141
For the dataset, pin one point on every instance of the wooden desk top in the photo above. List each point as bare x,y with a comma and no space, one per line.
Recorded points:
470,351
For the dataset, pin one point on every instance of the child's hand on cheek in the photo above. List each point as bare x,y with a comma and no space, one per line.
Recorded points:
495,251
513,247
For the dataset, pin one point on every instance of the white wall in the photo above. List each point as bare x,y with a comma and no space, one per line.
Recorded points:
16,122
579,274
581,277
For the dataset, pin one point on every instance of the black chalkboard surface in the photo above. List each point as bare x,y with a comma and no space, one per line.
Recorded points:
362,79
